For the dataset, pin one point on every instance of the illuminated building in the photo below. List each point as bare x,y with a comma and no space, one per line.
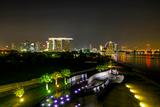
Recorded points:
110,48
100,47
66,45
28,46
13,46
58,44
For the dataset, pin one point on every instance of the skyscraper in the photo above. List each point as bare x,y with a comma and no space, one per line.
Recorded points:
58,44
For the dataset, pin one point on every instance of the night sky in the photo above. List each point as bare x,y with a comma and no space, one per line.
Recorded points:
133,22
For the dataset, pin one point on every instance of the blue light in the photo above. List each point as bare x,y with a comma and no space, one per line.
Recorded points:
51,96
42,104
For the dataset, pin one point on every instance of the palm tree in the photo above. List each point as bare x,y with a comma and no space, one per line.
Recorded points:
55,76
19,92
46,78
100,68
111,64
65,73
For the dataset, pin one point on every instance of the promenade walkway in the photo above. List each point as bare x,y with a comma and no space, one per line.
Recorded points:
12,86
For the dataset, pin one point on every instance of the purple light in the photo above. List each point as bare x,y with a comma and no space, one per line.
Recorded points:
61,98
67,96
79,104
68,99
79,89
56,105
62,102
55,101
75,91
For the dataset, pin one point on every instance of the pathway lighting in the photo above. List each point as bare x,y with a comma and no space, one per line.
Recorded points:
68,99
133,91
138,97
21,100
142,104
67,95
62,102
55,101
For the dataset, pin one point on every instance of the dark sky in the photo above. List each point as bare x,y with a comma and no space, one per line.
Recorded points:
133,22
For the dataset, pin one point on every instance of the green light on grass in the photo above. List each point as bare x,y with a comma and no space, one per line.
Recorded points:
48,91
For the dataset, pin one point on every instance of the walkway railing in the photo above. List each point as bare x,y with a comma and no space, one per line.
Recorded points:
12,86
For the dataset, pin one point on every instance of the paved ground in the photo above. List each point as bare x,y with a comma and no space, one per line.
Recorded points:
121,96
31,97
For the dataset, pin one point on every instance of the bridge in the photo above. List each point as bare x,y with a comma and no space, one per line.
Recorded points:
111,48
142,51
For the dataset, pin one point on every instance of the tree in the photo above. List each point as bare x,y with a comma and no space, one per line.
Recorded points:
46,78
111,64
19,92
55,76
65,73
100,68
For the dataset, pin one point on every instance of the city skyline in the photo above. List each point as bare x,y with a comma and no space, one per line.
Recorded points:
134,23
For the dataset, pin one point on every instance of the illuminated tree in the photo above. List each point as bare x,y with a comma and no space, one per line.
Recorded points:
55,76
100,68
110,64
46,78
19,92
65,73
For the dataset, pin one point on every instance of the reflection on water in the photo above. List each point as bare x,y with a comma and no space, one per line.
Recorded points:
148,62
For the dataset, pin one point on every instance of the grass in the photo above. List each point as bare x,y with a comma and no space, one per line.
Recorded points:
31,97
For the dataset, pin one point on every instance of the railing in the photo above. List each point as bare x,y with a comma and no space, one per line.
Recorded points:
12,86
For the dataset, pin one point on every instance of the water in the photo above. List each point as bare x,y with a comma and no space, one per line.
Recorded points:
148,64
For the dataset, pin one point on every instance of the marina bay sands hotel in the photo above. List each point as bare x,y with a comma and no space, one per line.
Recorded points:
59,44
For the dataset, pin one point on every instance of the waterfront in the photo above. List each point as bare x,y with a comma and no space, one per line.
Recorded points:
112,96
146,64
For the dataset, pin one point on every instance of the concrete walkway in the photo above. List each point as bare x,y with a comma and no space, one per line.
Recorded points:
121,96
